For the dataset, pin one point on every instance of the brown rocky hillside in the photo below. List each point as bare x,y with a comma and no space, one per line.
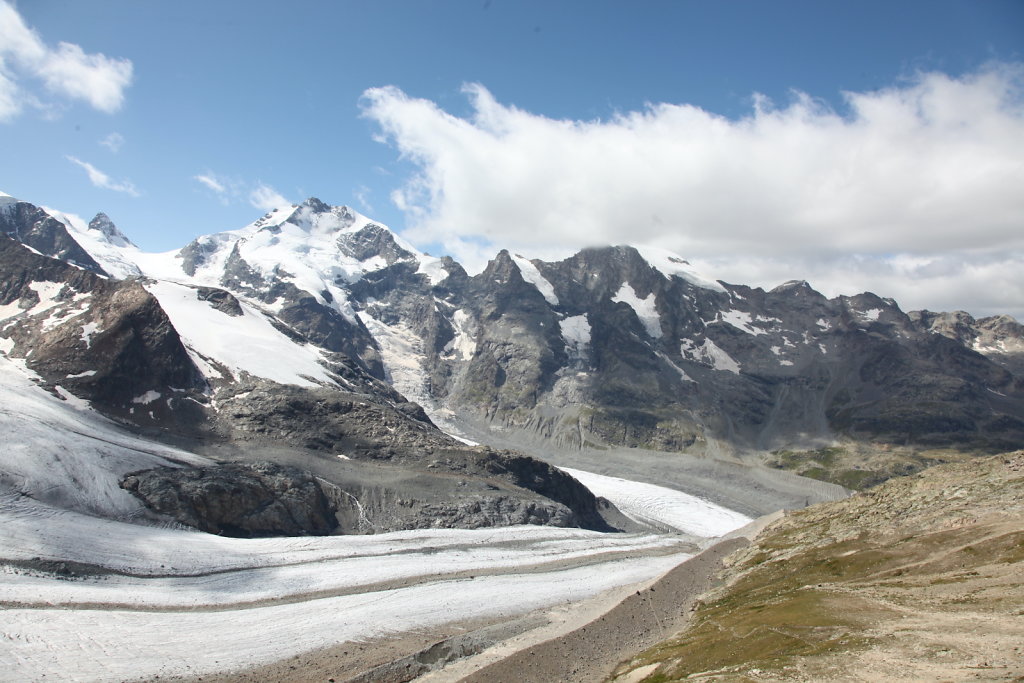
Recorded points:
921,578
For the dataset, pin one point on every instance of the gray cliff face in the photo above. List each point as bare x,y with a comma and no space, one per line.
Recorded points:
35,228
999,338
619,354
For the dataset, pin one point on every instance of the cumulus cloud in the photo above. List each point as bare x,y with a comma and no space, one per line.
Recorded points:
102,180
924,173
267,198
66,70
113,142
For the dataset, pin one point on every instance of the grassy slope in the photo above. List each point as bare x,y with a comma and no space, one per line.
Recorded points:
921,578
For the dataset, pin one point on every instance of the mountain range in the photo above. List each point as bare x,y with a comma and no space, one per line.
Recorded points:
614,347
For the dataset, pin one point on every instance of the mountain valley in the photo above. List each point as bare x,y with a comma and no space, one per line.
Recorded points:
309,419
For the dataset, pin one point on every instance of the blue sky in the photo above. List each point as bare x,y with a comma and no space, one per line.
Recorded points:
213,108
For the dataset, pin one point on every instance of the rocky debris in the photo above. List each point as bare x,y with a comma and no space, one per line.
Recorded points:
919,578
246,501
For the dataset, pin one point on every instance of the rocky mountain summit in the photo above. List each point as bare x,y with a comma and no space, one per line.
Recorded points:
316,338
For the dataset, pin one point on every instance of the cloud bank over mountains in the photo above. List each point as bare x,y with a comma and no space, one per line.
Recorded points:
912,190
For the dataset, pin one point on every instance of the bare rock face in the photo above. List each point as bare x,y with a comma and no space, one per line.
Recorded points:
107,341
246,501
999,337
34,227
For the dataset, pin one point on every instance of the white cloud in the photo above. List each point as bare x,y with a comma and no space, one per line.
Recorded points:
928,171
102,180
211,182
267,198
113,142
66,70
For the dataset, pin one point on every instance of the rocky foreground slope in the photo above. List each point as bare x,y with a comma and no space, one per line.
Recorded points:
917,579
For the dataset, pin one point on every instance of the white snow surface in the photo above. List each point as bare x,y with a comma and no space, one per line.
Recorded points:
719,359
651,504
644,308
246,343
124,644
670,264
575,331
464,343
62,453
709,353
533,276
432,267
742,320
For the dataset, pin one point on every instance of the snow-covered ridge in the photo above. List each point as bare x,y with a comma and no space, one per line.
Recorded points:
670,264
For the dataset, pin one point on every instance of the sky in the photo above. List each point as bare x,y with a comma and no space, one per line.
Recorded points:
868,146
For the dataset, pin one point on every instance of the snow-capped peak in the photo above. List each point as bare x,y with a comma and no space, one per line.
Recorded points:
101,223
669,264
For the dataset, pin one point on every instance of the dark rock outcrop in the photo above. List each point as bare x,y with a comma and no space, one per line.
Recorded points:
258,499
33,227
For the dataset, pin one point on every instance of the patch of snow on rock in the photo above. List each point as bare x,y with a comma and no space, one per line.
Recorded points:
533,276
741,320
147,398
575,331
433,268
464,343
708,353
88,330
644,308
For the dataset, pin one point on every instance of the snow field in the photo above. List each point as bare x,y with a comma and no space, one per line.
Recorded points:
65,454
662,506
247,343
115,645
